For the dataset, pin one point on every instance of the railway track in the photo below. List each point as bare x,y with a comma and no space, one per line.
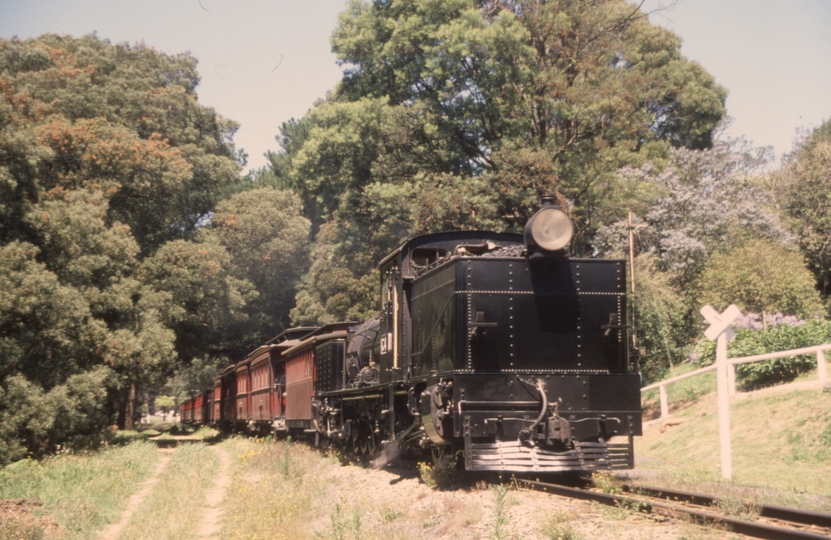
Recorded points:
773,522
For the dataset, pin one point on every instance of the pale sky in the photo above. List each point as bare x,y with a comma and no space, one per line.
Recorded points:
264,62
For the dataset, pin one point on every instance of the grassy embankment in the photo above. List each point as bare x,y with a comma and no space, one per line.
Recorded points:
781,443
81,493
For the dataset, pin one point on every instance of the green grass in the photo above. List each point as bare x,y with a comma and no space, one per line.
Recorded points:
682,394
780,442
174,507
205,433
82,493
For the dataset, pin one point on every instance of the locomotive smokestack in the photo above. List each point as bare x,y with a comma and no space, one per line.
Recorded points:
548,200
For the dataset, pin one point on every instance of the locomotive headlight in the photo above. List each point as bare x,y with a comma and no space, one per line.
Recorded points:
549,229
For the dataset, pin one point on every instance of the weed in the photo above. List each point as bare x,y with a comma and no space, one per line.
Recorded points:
81,492
622,509
435,477
500,511
206,433
390,514
166,514
429,524
343,528
284,459
261,502
633,505
606,482
557,527
825,436
731,505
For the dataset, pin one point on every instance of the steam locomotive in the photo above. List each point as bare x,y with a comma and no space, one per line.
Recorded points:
495,351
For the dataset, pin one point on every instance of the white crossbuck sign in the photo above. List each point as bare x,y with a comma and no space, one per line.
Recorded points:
719,322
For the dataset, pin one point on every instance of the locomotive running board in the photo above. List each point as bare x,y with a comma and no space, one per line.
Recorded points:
519,456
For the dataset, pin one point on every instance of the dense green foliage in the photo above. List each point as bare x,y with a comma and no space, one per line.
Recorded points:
117,264
804,189
760,277
460,114
782,337
661,319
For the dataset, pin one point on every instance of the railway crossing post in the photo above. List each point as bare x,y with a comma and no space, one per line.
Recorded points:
720,332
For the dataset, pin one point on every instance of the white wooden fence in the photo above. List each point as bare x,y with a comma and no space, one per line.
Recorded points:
818,350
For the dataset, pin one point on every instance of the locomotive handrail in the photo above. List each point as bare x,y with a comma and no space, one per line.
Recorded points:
818,350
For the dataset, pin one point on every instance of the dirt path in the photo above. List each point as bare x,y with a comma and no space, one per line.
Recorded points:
211,519
113,530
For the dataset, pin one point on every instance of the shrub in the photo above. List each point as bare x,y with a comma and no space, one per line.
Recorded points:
776,338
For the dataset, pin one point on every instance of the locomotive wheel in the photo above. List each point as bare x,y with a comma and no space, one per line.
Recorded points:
354,442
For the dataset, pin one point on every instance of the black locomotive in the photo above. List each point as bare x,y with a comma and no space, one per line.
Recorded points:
497,351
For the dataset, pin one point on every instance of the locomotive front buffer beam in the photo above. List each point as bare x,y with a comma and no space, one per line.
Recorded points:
534,424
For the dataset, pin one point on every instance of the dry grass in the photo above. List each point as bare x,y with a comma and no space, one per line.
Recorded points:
175,505
275,490
560,526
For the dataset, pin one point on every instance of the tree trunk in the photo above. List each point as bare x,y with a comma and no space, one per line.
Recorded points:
131,407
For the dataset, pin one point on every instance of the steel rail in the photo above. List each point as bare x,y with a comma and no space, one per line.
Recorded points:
748,528
793,515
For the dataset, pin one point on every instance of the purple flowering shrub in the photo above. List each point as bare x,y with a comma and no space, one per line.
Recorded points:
753,321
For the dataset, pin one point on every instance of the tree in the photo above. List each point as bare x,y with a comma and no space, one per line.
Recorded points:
702,202
542,96
266,238
206,299
119,118
760,277
691,218
661,318
165,403
105,155
463,113
804,187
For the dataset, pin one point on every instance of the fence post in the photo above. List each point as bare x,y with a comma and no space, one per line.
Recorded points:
722,369
731,379
664,404
821,367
